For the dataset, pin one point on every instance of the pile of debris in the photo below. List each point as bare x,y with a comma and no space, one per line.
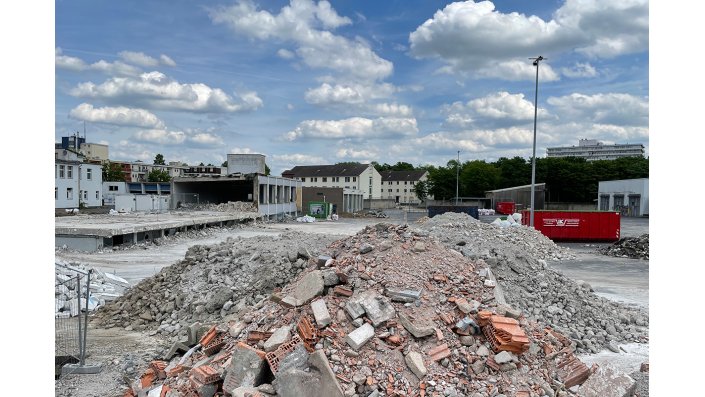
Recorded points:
230,206
212,282
104,287
371,214
517,257
629,247
391,312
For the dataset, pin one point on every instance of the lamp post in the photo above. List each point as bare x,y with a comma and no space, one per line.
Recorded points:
457,178
533,155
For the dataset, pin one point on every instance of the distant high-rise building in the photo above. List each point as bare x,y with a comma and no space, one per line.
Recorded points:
592,149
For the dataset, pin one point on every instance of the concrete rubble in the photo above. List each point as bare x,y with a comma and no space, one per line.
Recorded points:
372,345
104,287
629,247
518,259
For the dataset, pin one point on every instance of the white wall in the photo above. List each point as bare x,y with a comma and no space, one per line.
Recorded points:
88,191
626,187
109,195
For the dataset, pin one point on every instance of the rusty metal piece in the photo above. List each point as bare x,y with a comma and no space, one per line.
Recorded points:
307,332
344,291
275,357
205,374
255,336
439,352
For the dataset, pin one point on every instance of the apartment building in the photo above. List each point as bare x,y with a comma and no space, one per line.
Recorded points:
592,149
362,177
76,182
138,171
400,185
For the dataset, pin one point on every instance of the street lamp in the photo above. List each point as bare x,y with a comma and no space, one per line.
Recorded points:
533,155
457,178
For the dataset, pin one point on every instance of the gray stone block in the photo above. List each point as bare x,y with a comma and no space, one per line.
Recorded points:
310,286
246,369
415,363
406,295
378,308
360,336
320,313
607,382
419,329
278,338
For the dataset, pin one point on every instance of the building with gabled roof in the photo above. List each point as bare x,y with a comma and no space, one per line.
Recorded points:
400,185
362,177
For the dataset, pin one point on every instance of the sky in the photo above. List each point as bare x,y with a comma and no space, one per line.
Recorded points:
306,82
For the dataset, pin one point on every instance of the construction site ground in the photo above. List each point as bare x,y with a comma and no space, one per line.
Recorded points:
119,350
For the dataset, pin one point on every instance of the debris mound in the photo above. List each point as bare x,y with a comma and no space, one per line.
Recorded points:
629,247
212,282
518,258
388,312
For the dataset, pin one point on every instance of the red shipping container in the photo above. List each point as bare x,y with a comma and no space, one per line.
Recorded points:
506,207
575,225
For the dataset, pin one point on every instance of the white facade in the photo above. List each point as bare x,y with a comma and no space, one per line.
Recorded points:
246,163
276,195
591,150
369,182
112,189
630,197
75,182
95,151
400,188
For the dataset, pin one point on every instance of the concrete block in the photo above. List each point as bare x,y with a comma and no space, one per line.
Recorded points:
607,382
192,333
503,357
329,385
297,383
330,278
406,295
414,361
360,336
310,286
378,308
278,338
235,329
354,309
320,313
419,329
246,368
366,247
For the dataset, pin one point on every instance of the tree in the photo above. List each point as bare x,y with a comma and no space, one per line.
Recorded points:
201,164
158,176
267,171
159,159
112,172
421,190
225,164
477,177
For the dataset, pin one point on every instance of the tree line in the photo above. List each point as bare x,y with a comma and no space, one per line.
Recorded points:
567,179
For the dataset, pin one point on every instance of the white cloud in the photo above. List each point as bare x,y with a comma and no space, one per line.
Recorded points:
242,150
391,109
354,128
298,159
498,109
155,90
67,62
78,65
121,116
285,54
579,70
166,60
611,108
364,156
348,94
205,139
138,58
160,137
475,38
303,22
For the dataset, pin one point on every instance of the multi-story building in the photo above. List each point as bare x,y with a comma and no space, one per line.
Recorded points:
362,177
400,185
95,152
76,181
138,171
592,149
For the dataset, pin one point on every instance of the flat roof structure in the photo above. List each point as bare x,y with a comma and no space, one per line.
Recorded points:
94,232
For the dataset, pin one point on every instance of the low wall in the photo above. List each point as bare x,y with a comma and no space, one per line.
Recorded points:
379,204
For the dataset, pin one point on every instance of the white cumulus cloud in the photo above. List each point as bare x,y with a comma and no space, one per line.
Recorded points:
206,139
160,136
610,108
497,109
579,70
121,116
354,128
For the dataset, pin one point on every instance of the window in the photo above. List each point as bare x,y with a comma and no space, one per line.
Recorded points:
85,195
397,184
390,190
303,179
97,195
89,174
315,179
389,183
62,168
112,188
397,190
69,193
354,179
347,179
406,183
70,172
56,193
404,190
325,179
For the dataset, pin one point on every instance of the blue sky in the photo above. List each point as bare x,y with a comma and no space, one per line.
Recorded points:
308,82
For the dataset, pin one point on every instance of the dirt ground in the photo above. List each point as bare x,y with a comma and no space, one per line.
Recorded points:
125,354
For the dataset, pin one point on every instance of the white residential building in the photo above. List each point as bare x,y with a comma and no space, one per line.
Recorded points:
76,182
362,177
400,185
138,171
592,149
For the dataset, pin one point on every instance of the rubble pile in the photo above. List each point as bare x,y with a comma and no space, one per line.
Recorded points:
104,287
391,312
517,257
230,206
629,247
212,282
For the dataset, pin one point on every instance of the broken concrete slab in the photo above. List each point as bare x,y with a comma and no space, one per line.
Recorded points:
366,247
321,313
330,277
278,338
310,286
414,361
360,336
377,307
406,296
607,382
329,385
418,328
247,368
503,357
354,309
235,329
